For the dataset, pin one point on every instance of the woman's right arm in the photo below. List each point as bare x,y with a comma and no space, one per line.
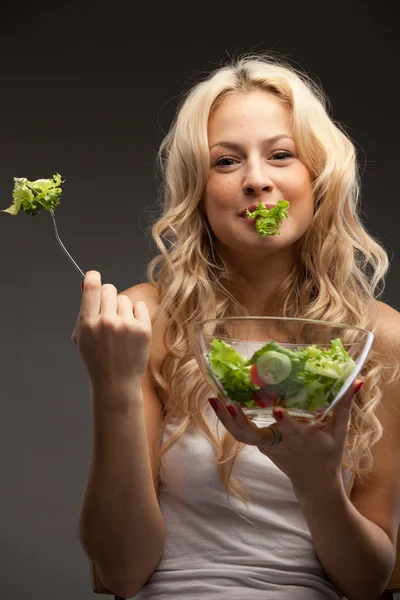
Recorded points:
121,528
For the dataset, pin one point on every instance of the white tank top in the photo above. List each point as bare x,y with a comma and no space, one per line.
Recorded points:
210,552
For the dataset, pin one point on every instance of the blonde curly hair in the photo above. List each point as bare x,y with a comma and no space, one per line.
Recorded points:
339,270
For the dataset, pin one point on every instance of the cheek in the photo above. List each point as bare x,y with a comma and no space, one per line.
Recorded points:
219,196
303,211
300,193
302,190
306,180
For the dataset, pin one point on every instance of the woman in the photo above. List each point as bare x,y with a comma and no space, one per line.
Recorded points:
323,506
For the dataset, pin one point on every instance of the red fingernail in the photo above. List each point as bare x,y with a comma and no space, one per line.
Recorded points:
232,410
359,386
82,285
278,414
213,402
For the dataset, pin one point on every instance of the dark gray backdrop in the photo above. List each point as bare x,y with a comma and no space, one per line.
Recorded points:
87,92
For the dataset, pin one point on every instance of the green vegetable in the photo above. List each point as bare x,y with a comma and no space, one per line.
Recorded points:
273,367
230,369
32,196
268,221
308,378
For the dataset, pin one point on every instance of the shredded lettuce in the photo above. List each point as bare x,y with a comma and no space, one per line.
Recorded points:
33,196
232,372
315,379
268,221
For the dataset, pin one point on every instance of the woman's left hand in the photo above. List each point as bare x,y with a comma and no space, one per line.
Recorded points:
309,453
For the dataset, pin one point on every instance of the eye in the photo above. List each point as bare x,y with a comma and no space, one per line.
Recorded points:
281,155
225,161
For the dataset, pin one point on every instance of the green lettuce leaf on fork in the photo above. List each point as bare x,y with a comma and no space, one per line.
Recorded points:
268,221
33,196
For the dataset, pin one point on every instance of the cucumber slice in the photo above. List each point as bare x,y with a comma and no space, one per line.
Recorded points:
273,367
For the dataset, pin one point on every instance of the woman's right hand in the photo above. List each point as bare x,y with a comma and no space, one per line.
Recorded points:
112,336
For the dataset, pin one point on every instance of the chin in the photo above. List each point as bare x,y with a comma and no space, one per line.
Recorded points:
256,245
264,247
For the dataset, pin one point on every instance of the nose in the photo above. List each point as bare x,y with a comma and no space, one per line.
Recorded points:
257,180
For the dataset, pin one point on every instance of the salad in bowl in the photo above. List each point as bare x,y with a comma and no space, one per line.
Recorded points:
303,365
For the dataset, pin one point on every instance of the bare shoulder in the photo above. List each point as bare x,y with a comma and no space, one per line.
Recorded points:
149,294
388,322
145,292
389,319
387,333
378,498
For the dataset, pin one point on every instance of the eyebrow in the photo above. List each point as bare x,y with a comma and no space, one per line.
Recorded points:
235,146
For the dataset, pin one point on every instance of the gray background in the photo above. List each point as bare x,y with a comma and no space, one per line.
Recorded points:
88,92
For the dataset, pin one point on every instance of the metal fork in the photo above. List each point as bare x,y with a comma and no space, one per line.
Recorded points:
35,193
64,248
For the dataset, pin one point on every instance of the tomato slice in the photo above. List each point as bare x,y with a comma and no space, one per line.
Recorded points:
262,398
254,376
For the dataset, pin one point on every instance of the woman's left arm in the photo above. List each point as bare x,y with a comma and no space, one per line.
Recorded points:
356,546
356,538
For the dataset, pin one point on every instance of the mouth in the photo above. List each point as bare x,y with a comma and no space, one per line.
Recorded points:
252,208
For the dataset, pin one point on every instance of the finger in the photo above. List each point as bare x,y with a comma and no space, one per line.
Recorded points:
267,437
91,296
288,427
325,423
286,423
109,301
141,313
341,413
221,410
242,428
236,422
125,308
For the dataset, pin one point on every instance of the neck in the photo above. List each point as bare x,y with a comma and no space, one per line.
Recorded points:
255,279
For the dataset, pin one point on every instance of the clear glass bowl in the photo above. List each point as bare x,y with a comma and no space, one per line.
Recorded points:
306,368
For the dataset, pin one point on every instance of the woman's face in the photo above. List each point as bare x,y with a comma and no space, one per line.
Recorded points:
254,159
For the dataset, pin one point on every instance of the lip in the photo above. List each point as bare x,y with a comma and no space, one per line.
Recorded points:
253,207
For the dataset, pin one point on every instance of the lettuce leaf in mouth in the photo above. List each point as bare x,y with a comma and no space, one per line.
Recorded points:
33,196
314,381
268,221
